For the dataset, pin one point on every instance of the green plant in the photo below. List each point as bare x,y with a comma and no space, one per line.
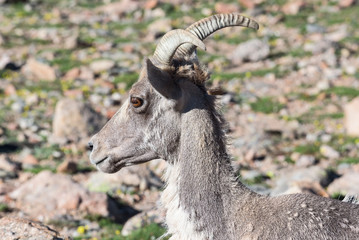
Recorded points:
45,152
129,79
350,160
4,207
343,91
307,149
266,105
37,169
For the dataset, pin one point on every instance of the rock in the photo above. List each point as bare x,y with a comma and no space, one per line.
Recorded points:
67,167
346,184
315,28
305,161
322,85
293,7
30,159
4,59
226,7
18,105
248,3
338,35
150,4
102,65
140,220
307,187
351,116
329,152
7,165
346,3
119,8
161,25
250,174
10,90
20,228
252,50
116,97
138,176
86,73
72,74
47,195
74,120
32,99
288,178
36,70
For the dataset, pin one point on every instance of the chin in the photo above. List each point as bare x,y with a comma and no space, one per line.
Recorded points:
109,166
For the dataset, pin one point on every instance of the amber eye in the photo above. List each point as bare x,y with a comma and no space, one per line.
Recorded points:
136,102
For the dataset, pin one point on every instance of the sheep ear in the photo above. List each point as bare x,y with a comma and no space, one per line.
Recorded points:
161,81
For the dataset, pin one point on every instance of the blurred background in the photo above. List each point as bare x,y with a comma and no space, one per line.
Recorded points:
290,95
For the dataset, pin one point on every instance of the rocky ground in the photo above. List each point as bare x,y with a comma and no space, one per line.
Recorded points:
291,97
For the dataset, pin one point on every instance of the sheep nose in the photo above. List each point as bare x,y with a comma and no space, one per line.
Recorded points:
90,146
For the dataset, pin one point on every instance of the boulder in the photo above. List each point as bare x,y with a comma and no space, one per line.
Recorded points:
142,219
346,3
119,8
351,117
36,70
101,65
74,120
329,152
291,180
293,7
221,7
49,195
8,165
23,229
346,184
253,50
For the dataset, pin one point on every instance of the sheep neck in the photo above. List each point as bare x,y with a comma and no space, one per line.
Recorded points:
201,182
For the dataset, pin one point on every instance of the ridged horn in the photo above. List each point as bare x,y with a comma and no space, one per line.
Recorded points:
205,27
169,43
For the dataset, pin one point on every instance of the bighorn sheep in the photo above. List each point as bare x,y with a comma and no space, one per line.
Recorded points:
169,115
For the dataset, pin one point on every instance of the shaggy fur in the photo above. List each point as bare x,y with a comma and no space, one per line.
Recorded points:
178,122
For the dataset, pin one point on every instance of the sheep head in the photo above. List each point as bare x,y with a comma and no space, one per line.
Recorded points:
147,126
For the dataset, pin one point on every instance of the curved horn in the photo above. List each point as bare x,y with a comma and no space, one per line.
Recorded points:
169,43
209,25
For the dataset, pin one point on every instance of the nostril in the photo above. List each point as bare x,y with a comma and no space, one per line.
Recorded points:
90,146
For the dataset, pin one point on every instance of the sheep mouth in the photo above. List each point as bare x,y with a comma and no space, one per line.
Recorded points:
100,161
112,164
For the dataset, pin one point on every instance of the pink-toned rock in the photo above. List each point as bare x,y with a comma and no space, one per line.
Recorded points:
48,195
72,74
293,7
346,3
151,4
250,3
10,90
351,117
20,228
74,120
226,7
119,8
7,164
247,3
30,159
38,71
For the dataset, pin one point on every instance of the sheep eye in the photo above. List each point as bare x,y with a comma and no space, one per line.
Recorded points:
136,102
